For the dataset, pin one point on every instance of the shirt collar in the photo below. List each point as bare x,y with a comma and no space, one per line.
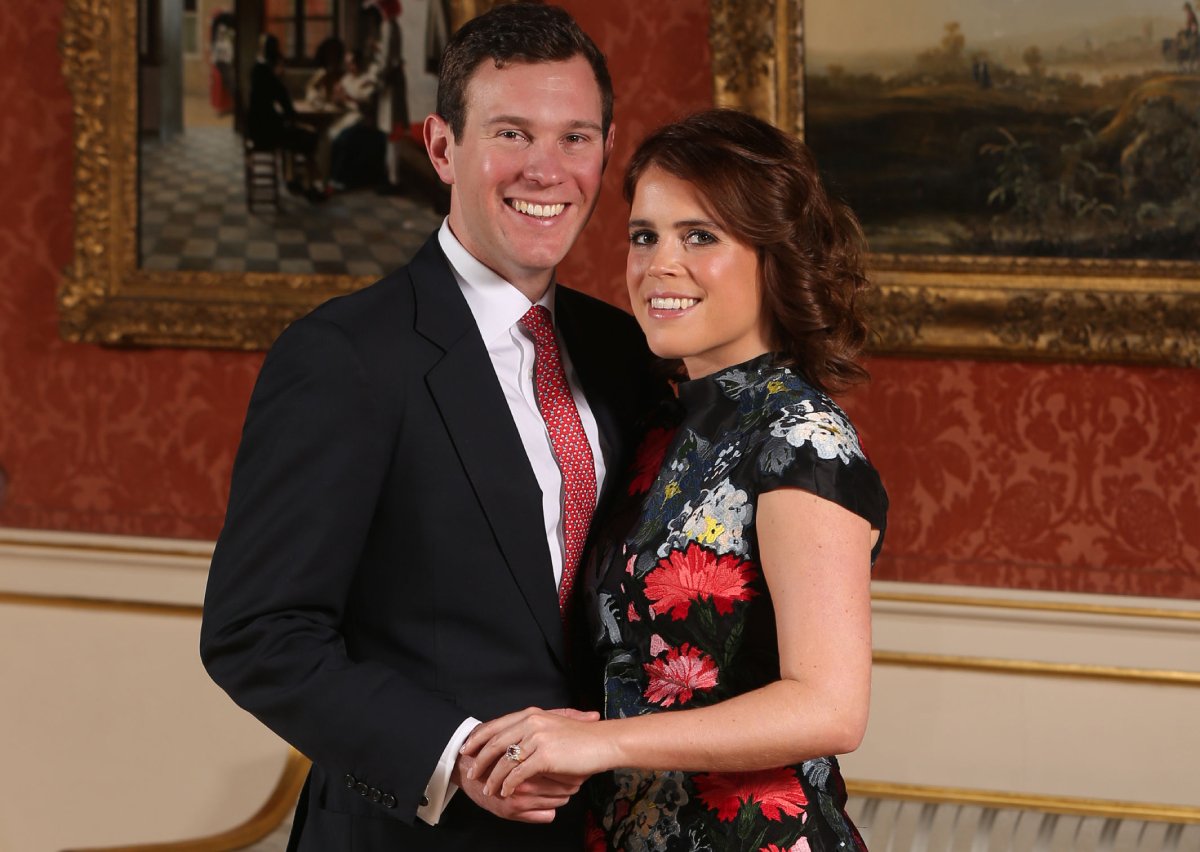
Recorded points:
496,305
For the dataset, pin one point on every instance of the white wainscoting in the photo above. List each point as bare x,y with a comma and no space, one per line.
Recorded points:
112,733
110,730
1057,695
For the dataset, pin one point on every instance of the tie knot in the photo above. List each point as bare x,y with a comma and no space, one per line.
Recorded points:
538,323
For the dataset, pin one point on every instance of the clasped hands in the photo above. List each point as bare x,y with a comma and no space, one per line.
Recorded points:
559,750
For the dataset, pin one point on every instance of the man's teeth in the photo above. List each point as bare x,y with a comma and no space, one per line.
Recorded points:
541,211
672,304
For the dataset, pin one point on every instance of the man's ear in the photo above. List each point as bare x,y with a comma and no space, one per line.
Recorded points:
439,144
608,145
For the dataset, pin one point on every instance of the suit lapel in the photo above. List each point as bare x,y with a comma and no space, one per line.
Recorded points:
464,387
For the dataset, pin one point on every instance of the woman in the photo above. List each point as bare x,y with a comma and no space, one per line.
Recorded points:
732,594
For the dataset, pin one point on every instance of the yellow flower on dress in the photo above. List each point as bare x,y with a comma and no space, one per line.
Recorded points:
671,490
713,529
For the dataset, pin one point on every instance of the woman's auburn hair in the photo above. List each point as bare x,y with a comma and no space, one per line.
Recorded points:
764,188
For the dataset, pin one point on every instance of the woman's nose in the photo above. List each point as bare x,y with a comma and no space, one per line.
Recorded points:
664,263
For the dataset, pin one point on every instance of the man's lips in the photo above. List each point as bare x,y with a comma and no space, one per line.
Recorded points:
534,209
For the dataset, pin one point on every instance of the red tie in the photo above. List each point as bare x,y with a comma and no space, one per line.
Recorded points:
571,447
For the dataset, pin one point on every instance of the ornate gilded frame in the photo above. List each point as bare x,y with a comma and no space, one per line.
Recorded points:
105,296
1090,310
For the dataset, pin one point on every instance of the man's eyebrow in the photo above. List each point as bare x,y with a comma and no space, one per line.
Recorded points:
579,124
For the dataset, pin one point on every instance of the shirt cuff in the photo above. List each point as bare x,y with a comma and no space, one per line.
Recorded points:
441,790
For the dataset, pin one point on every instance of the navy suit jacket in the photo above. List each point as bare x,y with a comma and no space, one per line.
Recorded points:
383,572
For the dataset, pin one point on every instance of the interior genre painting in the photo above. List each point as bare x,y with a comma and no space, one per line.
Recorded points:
284,136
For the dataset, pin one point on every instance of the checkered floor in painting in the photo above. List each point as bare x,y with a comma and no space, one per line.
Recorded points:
194,217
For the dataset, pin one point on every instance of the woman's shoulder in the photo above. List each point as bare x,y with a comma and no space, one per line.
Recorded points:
785,407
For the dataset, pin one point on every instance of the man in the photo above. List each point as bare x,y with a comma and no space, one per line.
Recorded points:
404,527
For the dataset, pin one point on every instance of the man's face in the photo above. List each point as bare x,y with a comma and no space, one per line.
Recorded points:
526,173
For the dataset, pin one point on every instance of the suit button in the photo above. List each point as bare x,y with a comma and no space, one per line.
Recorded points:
424,801
350,781
389,801
376,795
362,788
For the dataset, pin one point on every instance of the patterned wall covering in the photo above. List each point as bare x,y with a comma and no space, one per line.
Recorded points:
1068,477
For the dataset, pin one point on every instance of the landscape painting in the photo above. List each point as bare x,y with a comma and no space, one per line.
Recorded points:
1068,129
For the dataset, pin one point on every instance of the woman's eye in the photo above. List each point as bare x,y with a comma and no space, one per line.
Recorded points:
699,238
643,238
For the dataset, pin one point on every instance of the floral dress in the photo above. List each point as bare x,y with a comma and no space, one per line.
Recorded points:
683,617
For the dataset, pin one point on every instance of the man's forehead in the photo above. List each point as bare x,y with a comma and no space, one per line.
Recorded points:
548,77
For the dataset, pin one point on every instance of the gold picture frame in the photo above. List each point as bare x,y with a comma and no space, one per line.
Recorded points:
106,297
961,305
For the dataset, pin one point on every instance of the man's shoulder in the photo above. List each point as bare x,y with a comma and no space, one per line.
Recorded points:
388,303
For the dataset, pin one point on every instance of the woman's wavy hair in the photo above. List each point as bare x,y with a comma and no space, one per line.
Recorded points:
763,186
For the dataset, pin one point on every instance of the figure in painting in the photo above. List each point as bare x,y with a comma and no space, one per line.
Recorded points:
221,53
271,119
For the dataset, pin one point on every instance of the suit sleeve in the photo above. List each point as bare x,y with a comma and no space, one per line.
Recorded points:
314,451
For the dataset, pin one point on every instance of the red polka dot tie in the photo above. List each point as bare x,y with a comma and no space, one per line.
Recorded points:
571,447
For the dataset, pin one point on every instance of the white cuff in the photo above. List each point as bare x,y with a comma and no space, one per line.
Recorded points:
441,790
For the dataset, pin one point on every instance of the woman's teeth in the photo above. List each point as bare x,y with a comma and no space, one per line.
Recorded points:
672,304
540,211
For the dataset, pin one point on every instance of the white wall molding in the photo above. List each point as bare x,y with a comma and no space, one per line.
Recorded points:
103,567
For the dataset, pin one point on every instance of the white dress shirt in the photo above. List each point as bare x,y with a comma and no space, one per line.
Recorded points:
497,307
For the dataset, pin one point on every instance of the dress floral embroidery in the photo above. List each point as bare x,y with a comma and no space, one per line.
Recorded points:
683,616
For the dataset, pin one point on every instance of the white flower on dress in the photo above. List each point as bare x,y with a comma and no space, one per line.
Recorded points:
829,433
717,523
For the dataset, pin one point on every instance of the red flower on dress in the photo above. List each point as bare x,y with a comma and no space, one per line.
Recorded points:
677,676
777,792
649,459
698,574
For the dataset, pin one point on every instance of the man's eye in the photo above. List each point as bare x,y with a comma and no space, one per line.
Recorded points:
576,139
510,134
643,238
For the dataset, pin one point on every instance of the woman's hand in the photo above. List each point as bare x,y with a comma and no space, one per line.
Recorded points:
549,742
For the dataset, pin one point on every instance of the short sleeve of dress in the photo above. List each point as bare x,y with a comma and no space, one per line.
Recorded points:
807,442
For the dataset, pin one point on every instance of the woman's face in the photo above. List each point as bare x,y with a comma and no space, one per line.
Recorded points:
694,287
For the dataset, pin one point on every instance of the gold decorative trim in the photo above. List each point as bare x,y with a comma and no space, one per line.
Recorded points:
1036,668
1090,309
277,807
1049,804
1036,606
100,604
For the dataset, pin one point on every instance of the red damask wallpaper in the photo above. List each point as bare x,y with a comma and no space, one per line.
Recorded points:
1070,477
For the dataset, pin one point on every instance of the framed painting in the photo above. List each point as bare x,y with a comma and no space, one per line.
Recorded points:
172,245
1025,173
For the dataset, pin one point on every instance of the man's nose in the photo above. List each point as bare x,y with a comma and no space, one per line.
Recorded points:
546,163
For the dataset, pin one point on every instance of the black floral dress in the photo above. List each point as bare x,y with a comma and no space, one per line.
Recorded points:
683,617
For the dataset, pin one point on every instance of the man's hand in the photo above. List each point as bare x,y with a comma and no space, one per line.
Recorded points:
537,800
